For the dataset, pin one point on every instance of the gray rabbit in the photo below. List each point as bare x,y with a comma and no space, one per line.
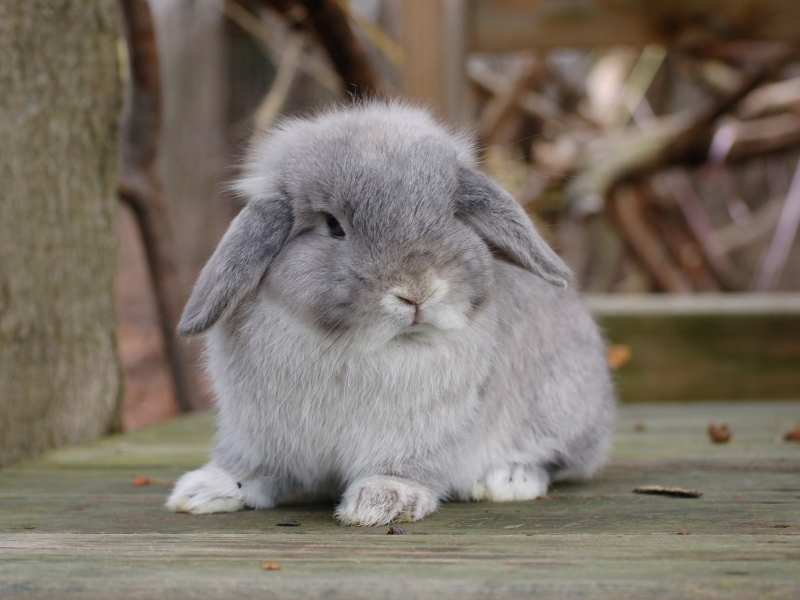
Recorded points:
386,328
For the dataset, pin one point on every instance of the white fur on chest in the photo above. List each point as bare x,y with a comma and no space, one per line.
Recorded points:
332,408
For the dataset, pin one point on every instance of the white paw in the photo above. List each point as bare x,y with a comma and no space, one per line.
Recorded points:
508,484
380,500
206,490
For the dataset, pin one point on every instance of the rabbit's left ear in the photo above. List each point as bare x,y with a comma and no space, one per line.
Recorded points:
505,227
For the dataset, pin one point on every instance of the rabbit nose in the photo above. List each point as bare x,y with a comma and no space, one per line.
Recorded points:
413,301
416,295
403,297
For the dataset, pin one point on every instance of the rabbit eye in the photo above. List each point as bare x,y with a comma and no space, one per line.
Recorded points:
334,227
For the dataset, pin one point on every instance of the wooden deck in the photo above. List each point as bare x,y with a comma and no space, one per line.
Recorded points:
73,525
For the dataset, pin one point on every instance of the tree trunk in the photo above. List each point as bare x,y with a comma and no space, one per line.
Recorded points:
60,99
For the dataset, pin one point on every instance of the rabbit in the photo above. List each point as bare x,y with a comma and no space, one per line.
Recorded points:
385,328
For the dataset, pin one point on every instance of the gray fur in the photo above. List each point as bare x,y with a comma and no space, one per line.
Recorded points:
242,257
404,363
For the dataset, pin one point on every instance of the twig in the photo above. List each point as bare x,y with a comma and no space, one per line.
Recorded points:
376,34
696,217
640,79
503,104
760,224
665,141
140,186
536,105
771,269
775,96
688,256
646,244
309,63
739,139
329,22
661,490
287,69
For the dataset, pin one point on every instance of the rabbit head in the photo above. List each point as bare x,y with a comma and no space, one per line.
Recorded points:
373,219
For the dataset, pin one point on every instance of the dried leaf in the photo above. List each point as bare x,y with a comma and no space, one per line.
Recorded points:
719,435
396,530
271,566
667,491
288,523
793,435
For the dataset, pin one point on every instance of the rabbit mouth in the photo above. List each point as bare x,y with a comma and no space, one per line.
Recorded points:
432,319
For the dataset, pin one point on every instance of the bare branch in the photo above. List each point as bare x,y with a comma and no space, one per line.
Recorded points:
140,187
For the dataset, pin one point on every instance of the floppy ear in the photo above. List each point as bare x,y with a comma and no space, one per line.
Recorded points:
237,265
505,227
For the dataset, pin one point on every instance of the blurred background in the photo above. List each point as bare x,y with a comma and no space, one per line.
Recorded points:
655,144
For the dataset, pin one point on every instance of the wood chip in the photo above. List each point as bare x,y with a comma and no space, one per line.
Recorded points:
396,530
618,356
288,523
140,481
639,427
667,491
719,435
793,435
271,566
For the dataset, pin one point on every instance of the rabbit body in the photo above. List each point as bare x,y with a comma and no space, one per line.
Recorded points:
386,328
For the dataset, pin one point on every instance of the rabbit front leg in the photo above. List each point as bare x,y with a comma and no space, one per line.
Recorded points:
380,499
211,489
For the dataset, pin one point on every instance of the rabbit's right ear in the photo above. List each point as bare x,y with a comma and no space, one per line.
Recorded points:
253,240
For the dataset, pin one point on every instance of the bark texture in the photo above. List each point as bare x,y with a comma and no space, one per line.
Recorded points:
59,105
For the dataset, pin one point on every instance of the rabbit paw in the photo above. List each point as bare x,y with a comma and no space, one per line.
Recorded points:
508,484
380,500
206,490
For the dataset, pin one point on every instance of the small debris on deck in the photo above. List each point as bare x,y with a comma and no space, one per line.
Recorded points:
618,356
719,435
396,530
667,491
140,481
288,523
271,566
793,435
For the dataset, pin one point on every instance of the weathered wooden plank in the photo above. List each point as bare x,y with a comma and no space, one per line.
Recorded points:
511,565
732,346
504,25
72,525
